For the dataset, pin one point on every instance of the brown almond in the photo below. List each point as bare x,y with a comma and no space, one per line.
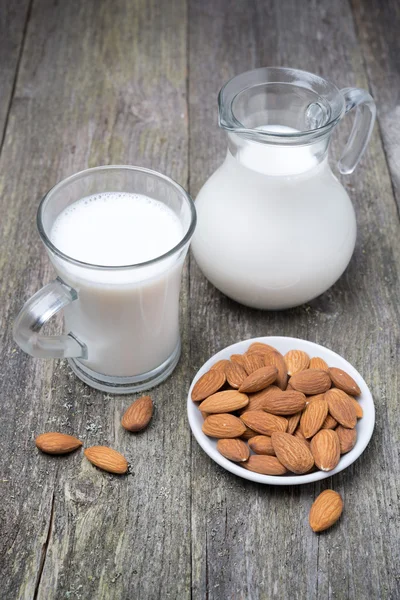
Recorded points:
252,362
357,408
344,381
233,449
235,374
223,426
296,361
237,358
313,417
260,347
57,443
293,421
107,459
276,359
315,397
329,423
325,511
316,362
258,399
261,444
347,438
292,453
248,434
325,449
259,380
266,465
311,381
263,422
208,384
138,415
341,408
297,434
286,402
220,365
224,402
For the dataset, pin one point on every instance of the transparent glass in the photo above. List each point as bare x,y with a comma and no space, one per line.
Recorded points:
275,226
121,322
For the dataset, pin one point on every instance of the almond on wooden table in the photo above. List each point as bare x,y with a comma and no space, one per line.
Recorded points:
224,402
265,465
325,448
261,444
107,459
292,453
259,379
347,438
233,449
223,425
235,374
325,511
263,422
285,403
296,361
341,408
311,381
344,381
318,363
57,443
313,417
138,415
208,384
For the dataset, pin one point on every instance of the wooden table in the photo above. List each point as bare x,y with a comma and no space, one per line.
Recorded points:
91,82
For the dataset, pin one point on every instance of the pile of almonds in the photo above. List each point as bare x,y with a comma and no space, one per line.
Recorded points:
276,414
135,418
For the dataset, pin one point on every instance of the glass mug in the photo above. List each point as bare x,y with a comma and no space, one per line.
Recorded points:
121,323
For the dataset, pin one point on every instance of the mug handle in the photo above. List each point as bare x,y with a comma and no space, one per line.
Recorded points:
362,127
35,313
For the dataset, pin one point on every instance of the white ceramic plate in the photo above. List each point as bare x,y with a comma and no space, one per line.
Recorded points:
365,426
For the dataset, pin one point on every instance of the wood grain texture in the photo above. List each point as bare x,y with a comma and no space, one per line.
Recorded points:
248,539
95,86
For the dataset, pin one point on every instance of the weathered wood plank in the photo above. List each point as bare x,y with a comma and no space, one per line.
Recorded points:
249,541
99,83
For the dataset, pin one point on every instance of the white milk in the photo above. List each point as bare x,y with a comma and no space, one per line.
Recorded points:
275,228
128,318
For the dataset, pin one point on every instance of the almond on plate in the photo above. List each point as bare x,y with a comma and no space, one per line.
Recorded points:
224,402
347,438
235,374
318,363
344,381
341,408
286,402
57,443
293,421
325,448
252,362
325,511
292,453
276,359
263,422
329,423
261,444
260,347
313,417
223,425
233,449
208,384
296,361
259,379
265,465
220,365
311,381
138,415
107,459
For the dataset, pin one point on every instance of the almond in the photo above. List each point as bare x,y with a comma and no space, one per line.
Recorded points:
138,415
341,408
292,453
329,423
107,459
220,365
313,417
258,400
237,358
347,438
57,443
253,362
343,381
266,465
325,449
296,361
357,408
204,415
325,510
223,426
259,380
233,449
316,397
311,381
224,402
261,444
276,359
248,434
293,421
318,363
297,434
235,374
263,422
208,384
260,347
286,402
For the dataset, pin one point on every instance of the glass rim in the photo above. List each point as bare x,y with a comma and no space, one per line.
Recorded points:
174,250
227,120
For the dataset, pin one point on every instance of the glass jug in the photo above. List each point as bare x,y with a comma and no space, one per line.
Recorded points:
275,227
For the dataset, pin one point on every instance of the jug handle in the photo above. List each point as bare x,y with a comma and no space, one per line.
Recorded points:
362,127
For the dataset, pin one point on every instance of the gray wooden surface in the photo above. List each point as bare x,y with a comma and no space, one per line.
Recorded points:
135,82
